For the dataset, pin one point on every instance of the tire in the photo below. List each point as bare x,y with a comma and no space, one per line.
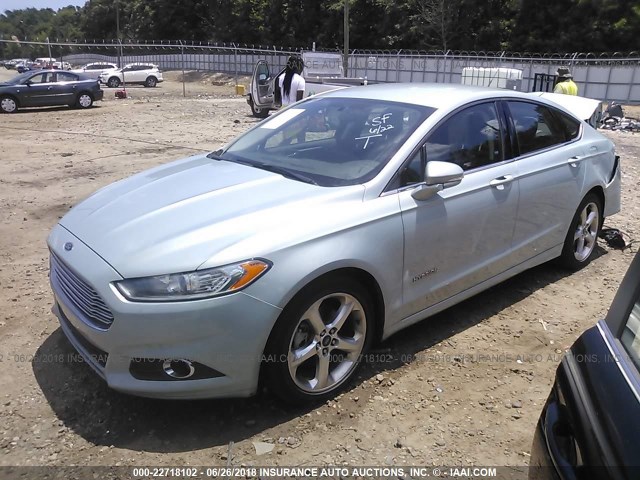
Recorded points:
582,236
151,82
328,314
8,104
257,111
84,100
113,82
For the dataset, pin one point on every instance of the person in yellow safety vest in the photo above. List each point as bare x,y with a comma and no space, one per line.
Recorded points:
565,83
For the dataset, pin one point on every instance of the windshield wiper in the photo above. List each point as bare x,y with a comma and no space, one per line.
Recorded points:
284,172
264,166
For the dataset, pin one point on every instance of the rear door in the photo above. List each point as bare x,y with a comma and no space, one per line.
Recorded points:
66,88
262,86
551,165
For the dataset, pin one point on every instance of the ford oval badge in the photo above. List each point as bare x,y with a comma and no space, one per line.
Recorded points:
68,246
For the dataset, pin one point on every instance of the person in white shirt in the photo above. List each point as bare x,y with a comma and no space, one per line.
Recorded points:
291,82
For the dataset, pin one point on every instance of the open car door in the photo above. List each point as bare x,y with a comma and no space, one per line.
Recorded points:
261,98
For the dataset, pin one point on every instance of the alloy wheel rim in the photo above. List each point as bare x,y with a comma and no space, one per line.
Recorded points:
586,234
8,105
85,100
327,342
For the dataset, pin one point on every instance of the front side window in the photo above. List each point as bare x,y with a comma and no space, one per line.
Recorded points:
331,141
40,78
470,138
536,127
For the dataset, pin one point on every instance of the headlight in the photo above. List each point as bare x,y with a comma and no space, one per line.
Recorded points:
193,285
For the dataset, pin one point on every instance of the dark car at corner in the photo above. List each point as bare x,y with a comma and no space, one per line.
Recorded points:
45,88
590,424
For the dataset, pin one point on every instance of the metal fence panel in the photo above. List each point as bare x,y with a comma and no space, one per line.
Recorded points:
611,78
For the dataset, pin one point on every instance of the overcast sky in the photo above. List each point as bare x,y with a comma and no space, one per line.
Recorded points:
20,4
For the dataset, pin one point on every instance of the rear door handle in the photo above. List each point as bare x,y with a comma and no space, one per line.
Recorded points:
500,182
575,160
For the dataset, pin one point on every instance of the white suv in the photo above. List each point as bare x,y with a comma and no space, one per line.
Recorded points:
143,73
95,69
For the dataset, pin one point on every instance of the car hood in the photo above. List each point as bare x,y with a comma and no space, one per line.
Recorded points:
178,216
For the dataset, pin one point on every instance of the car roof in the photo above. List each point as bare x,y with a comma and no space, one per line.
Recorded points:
434,95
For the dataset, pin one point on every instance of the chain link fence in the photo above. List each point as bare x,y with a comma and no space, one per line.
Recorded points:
610,77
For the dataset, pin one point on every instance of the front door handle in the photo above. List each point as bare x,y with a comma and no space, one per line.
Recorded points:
500,182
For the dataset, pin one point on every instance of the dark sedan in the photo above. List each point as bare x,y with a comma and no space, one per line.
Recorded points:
44,88
590,425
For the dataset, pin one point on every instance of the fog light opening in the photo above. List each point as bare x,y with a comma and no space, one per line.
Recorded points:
180,368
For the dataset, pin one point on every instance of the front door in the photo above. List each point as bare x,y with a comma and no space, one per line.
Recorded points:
462,236
262,86
38,91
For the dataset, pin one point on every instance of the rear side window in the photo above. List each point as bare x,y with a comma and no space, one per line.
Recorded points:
66,77
537,127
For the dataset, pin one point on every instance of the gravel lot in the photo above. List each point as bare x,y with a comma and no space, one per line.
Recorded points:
465,387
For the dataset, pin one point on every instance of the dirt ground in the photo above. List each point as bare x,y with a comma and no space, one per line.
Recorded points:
431,398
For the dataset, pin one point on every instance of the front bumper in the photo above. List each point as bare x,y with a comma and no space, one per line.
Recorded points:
225,334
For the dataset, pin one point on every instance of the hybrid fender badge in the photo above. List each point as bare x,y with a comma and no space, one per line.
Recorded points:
422,275
68,246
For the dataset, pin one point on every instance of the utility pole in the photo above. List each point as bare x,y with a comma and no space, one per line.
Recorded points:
118,33
345,55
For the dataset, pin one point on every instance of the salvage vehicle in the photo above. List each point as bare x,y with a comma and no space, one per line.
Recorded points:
336,222
45,88
590,425
323,72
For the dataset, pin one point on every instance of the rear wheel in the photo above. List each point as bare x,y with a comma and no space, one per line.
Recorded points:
257,111
151,82
319,339
8,104
113,82
582,236
84,100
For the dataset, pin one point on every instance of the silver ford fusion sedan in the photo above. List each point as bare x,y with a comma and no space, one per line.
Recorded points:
329,226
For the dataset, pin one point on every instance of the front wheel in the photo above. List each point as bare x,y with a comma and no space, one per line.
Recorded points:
257,111
113,82
319,339
582,237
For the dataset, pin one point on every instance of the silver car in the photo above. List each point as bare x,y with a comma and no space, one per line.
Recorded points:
327,227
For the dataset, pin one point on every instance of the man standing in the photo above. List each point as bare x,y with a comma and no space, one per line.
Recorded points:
565,83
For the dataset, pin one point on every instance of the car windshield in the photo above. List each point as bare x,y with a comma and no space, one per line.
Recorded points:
20,79
329,141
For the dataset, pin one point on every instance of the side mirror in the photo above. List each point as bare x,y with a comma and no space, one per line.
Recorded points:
446,173
438,176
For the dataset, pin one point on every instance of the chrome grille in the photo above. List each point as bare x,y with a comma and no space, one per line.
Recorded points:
81,294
